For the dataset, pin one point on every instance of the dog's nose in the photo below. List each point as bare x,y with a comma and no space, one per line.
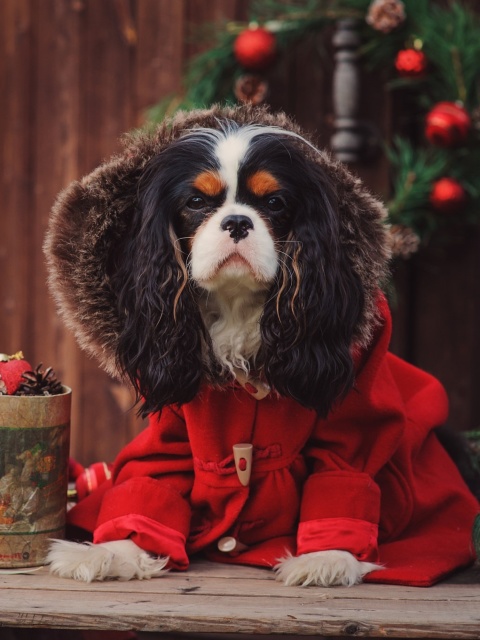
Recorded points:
238,226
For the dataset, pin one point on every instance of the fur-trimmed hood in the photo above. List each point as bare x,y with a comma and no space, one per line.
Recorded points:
90,216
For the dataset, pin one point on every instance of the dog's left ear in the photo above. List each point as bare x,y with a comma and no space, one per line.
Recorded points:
324,302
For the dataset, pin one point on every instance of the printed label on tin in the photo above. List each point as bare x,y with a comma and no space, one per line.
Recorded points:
33,479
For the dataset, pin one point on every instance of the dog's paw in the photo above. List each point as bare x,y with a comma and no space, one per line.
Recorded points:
323,568
120,560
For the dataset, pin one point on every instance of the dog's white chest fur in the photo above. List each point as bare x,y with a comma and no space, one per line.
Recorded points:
232,318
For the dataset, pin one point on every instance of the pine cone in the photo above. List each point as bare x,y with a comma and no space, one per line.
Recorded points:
403,241
39,383
250,89
386,15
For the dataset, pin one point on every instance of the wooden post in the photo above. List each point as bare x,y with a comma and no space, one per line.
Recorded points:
348,140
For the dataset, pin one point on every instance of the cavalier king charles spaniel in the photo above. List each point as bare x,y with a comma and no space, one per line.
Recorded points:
227,253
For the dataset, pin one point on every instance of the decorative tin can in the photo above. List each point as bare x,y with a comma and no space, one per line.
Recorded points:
34,449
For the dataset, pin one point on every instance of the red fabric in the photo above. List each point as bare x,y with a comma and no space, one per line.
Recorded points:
148,534
373,463
74,469
358,536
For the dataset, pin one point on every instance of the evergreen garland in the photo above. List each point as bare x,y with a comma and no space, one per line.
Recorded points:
449,36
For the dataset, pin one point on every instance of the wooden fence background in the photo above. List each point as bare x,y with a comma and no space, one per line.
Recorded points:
75,75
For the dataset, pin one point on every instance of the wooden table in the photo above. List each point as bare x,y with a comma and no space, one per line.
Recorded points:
212,598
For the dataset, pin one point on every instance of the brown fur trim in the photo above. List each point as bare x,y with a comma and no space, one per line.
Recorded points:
92,213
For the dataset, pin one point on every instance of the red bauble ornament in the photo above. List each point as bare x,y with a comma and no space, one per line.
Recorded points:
411,63
255,48
91,478
448,196
447,124
11,370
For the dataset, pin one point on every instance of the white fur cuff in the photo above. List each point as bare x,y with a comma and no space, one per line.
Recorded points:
121,560
323,568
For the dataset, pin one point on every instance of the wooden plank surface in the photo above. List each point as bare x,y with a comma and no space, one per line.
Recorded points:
212,598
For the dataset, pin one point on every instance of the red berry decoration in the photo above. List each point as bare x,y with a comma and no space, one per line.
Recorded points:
255,48
12,369
448,196
447,124
411,63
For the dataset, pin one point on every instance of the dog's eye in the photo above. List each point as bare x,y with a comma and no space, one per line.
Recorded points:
196,203
275,203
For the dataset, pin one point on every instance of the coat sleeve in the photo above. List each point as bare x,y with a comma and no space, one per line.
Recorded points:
341,501
148,501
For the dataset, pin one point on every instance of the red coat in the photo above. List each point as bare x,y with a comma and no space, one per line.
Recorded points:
371,479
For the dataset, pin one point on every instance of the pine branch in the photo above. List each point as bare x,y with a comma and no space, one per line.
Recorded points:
415,171
451,42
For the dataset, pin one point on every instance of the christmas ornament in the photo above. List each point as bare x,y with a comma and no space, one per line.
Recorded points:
448,196
411,63
255,48
39,383
91,477
74,469
11,370
251,89
386,15
447,124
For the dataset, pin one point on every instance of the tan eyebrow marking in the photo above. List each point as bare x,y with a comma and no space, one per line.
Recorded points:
209,183
262,182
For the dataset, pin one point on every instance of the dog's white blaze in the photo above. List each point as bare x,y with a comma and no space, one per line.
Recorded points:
230,152
230,145
231,148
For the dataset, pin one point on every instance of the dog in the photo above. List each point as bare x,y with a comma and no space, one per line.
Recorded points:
231,272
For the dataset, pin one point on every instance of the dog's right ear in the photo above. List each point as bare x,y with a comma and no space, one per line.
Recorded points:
118,277
162,338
